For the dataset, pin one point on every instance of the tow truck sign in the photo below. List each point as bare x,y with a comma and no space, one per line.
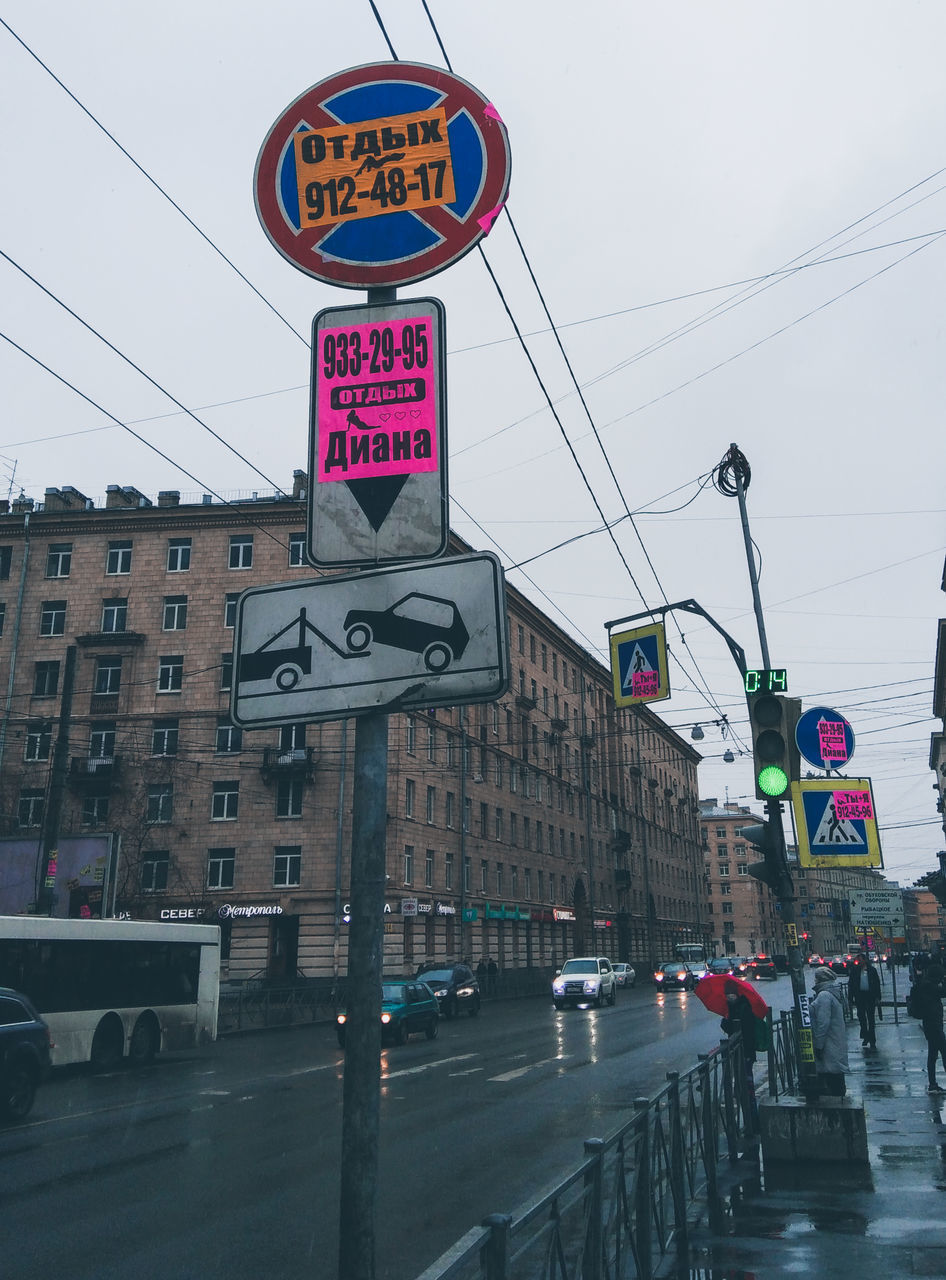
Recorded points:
428,635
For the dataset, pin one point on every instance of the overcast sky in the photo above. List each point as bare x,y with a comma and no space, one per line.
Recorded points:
735,213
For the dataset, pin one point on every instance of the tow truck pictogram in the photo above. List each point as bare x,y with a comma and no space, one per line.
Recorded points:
288,664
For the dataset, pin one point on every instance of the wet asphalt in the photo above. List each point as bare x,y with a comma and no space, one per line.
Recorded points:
827,1221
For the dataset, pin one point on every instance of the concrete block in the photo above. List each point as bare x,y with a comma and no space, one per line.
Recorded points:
822,1131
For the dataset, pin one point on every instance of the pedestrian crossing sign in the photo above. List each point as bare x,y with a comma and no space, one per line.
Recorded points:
639,665
836,823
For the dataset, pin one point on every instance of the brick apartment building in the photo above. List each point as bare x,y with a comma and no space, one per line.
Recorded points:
525,829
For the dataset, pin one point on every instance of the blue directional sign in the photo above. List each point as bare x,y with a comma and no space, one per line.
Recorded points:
639,665
824,738
836,823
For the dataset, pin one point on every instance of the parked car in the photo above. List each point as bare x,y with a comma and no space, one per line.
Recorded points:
763,967
406,1007
676,975
24,1054
455,986
585,980
719,964
626,976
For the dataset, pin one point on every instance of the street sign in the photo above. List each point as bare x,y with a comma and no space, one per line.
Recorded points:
428,635
382,175
881,906
378,442
824,738
836,823
639,665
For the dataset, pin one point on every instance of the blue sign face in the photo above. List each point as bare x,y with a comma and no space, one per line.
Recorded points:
824,738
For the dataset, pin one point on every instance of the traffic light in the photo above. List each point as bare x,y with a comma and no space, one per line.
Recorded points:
772,718
772,870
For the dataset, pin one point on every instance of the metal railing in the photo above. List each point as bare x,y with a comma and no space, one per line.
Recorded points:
625,1208
259,1003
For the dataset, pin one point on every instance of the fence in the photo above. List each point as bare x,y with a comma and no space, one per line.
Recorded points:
258,1003
625,1208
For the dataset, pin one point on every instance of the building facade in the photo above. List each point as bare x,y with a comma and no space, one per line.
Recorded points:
547,822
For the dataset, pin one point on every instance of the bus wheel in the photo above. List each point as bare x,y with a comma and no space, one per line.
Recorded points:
144,1041
108,1044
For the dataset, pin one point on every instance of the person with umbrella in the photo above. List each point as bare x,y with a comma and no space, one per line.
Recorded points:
743,1009
739,1017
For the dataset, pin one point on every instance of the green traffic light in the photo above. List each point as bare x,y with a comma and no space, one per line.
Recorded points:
772,781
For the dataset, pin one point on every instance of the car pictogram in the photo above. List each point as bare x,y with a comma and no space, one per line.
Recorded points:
418,623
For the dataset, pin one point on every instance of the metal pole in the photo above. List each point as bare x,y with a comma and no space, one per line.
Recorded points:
463,951
339,840
750,559
361,1098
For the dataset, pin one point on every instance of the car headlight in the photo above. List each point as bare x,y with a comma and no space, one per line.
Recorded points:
558,986
464,991
440,993
658,977
342,1019
385,1019
591,986
680,977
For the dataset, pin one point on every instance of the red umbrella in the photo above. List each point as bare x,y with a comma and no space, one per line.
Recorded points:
712,991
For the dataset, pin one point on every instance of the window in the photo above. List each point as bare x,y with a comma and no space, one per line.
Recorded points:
230,609
296,550
484,820
722,850
226,670
484,876
179,555
160,802
170,674
115,614
38,740
409,797
498,824
58,559
527,882
431,803
95,808
449,817
448,871
499,879
514,882
742,868
520,638
102,740
287,865
220,864
513,828
408,864
3,614
6,556
108,675
118,557
45,679
225,801
154,871
289,798
175,613
725,889
52,619
241,551
229,738
29,809
431,743
410,744
292,739
724,868
429,868
164,738
727,908
720,833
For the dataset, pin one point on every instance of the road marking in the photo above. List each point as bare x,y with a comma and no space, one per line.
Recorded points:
426,1066
522,1071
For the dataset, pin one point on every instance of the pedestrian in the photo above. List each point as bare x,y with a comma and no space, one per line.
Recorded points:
493,976
740,1018
927,1004
863,989
481,972
829,1034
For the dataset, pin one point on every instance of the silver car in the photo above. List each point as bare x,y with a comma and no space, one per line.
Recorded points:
585,980
625,974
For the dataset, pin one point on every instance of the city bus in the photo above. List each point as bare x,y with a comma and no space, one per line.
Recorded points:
691,952
115,988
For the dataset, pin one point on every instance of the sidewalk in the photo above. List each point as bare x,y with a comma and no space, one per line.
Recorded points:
826,1227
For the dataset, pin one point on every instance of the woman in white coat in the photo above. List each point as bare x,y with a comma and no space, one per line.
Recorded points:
829,1033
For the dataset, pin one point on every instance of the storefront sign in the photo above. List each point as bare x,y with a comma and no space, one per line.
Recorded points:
226,911
562,914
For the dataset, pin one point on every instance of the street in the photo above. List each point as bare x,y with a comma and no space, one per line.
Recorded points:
225,1162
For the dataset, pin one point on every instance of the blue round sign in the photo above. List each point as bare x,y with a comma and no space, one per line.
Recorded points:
824,738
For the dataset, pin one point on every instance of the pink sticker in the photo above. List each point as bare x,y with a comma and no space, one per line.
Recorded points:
491,113
645,684
377,400
850,805
487,220
831,740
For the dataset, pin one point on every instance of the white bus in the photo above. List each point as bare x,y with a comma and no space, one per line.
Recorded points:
108,988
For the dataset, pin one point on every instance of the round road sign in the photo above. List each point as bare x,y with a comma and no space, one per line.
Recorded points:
824,738
382,175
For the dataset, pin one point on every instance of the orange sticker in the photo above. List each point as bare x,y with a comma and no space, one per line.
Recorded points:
373,167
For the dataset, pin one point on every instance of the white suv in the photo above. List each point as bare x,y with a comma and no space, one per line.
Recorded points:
585,980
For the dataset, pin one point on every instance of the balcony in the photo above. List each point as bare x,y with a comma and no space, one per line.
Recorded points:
523,700
622,878
558,725
94,770
110,639
296,762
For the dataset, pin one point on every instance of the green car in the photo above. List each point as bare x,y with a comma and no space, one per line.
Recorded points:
406,1007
